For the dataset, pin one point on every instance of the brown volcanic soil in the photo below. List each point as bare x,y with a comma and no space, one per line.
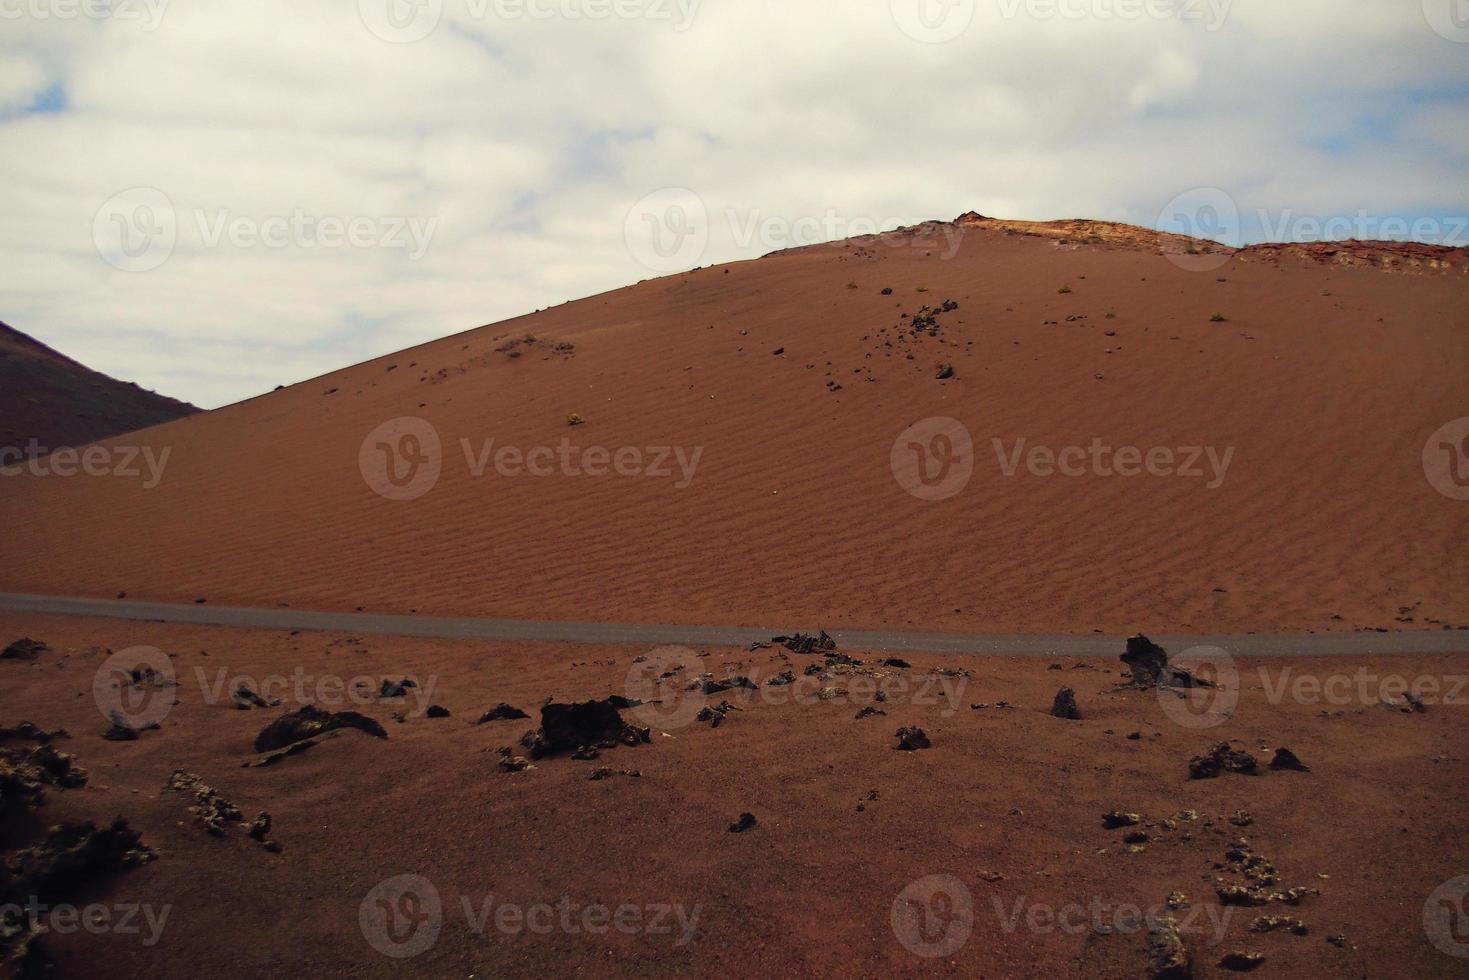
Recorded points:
1376,826
1326,381
52,399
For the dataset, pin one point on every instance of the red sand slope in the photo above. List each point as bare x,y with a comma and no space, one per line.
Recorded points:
1325,378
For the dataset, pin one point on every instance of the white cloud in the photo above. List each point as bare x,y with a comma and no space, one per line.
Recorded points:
525,140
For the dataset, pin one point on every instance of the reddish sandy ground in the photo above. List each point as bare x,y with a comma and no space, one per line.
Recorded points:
1324,380
1014,795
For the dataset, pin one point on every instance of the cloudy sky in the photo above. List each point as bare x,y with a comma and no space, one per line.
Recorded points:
215,197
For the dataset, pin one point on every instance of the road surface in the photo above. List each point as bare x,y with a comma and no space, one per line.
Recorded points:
620,634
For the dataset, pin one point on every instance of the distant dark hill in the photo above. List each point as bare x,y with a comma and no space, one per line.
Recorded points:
52,399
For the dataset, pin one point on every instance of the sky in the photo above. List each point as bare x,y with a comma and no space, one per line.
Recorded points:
214,198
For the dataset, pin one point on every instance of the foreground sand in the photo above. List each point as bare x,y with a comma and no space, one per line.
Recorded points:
1008,802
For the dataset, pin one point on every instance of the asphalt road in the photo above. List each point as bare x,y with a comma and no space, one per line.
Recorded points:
884,641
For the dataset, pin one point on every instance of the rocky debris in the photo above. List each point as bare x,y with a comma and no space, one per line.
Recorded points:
714,714
213,811
396,689
1065,705
70,854
606,772
944,372
1148,663
27,732
897,662
437,711
1286,759
911,739
24,649
1168,955
1411,704
782,679
1241,818
868,712
1338,940
122,730
245,698
26,771
708,685
260,832
501,712
1241,961
515,763
1113,819
308,721
295,748
1219,758
1273,923
805,642
1145,659
586,753
744,823
567,727
1177,901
